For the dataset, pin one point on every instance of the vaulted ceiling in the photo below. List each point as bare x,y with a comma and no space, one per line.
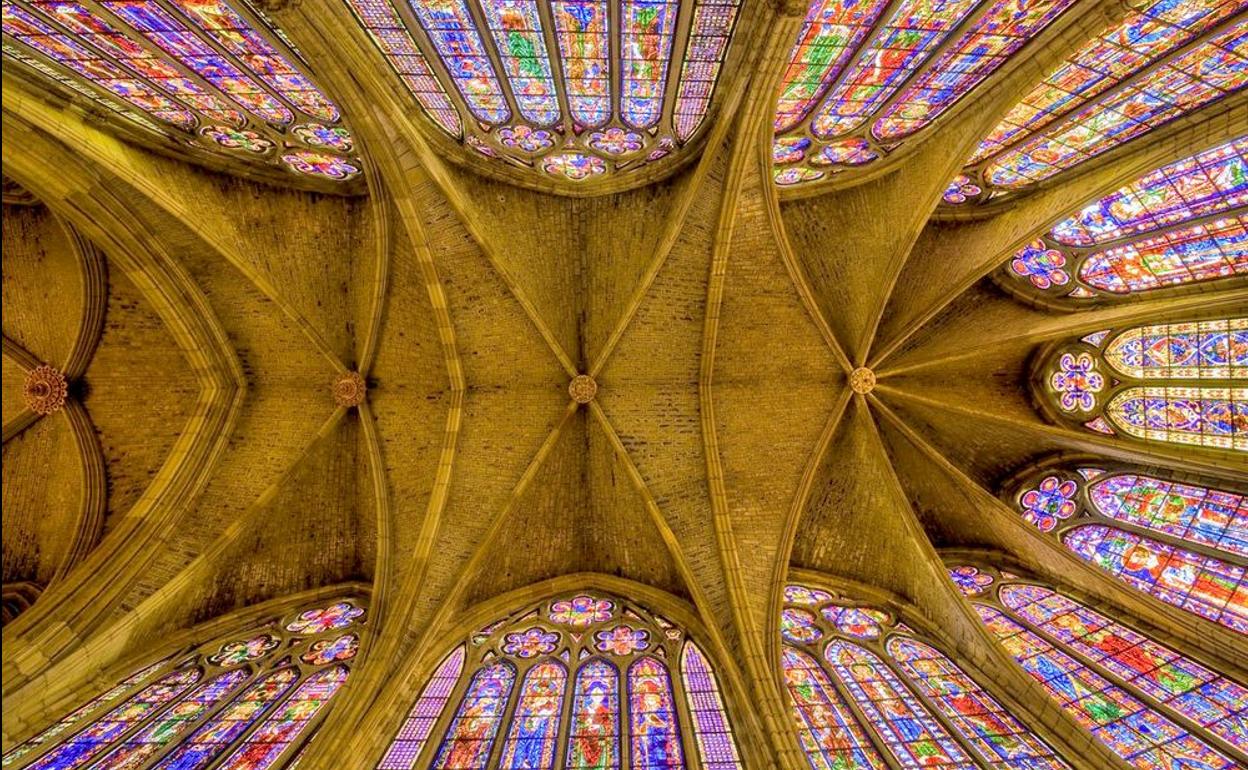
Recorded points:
202,464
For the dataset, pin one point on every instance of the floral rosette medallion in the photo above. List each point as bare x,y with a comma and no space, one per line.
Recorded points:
970,581
331,651
622,640
235,653
531,642
1051,500
1077,382
581,611
798,626
330,618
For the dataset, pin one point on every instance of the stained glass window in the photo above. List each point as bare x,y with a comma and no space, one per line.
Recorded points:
202,706
1212,701
581,681
632,95
215,73
1142,530
1203,585
1166,59
1174,226
706,707
1174,383
923,709
995,735
1132,693
861,79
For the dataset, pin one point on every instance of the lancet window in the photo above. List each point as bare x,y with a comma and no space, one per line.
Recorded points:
208,74
249,702
1148,703
582,681
1181,224
1184,543
570,89
1164,60
1181,383
864,686
865,76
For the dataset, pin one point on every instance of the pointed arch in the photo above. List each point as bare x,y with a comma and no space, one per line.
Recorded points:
878,679
1150,704
1179,383
191,708
579,680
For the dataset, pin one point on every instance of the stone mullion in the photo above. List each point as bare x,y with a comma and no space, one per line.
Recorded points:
93,716
209,40
615,63
1148,701
1080,252
1129,82
675,65
868,728
139,40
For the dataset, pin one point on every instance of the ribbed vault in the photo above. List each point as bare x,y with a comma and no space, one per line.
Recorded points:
724,448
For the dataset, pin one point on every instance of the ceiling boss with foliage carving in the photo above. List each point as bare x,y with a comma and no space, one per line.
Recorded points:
625,384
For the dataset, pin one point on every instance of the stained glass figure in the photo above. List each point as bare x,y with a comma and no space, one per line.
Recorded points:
862,76
1185,511
172,724
531,738
265,747
914,737
1142,736
414,733
992,731
706,707
827,730
471,735
211,72
1164,60
210,740
1190,689
924,709
80,713
1171,382
1138,528
594,733
654,734
90,743
632,93
230,704
1202,585
567,683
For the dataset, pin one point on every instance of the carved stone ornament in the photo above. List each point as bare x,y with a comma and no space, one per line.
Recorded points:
45,390
350,389
862,380
582,388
